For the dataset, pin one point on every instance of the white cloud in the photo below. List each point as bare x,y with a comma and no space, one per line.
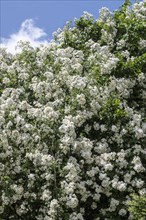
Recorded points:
27,32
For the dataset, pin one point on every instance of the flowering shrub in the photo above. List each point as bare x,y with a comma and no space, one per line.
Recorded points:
73,121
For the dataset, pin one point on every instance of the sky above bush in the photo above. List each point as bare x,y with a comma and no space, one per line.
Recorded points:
35,21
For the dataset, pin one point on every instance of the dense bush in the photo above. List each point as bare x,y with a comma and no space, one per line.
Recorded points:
73,121
138,207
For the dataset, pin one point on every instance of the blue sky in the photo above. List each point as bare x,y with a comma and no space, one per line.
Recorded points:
45,17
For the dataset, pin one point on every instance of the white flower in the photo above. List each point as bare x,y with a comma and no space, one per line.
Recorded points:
139,168
127,178
102,176
50,113
81,99
54,204
139,183
108,166
94,205
1,167
6,80
105,183
87,15
72,201
137,164
96,197
114,128
18,189
138,132
77,67
49,75
122,212
77,82
121,186
91,173
121,44
96,126
103,128
104,14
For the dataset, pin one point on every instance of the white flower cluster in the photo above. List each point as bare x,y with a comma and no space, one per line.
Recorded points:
73,137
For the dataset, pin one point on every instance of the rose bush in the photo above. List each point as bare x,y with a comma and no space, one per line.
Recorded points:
73,121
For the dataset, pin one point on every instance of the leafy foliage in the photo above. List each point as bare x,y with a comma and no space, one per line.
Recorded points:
138,207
